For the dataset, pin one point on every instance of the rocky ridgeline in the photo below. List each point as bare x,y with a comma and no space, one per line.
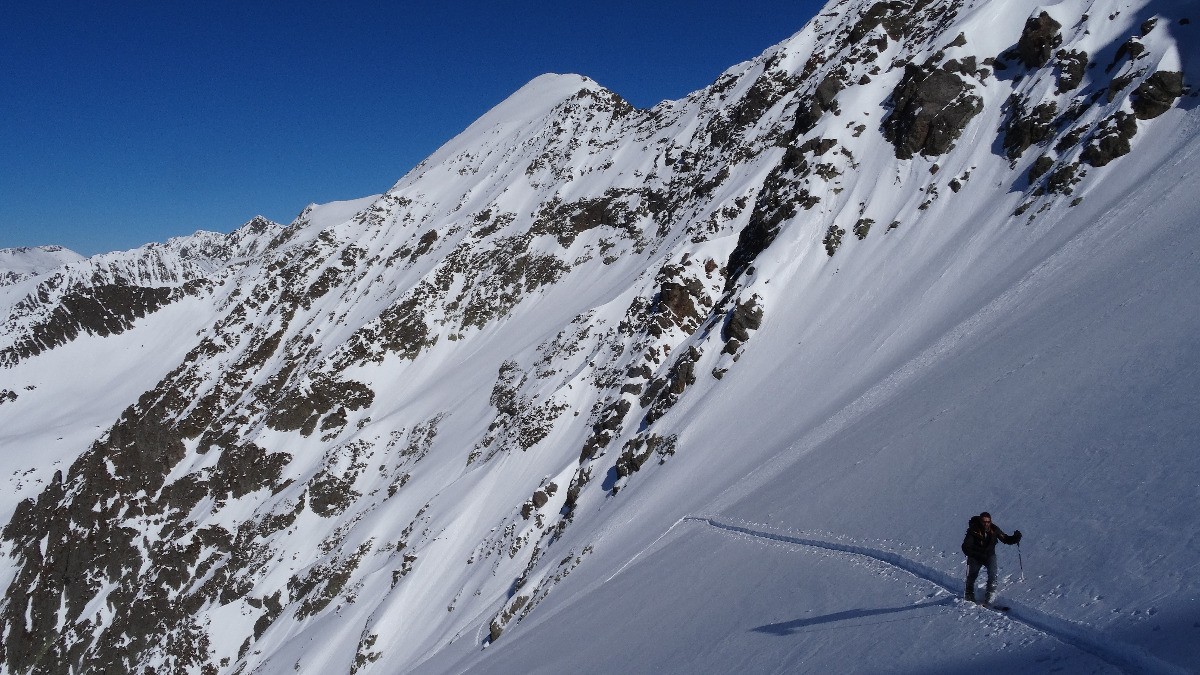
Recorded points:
106,294
278,430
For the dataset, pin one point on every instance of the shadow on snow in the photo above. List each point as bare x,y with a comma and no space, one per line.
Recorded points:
790,627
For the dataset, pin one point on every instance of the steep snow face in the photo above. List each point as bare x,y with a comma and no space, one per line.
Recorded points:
918,260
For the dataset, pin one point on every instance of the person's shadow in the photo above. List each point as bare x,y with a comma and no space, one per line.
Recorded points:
789,627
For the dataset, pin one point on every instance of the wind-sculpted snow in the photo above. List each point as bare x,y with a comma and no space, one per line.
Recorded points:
405,427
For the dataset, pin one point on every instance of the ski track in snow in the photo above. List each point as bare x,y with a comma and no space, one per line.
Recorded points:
1127,657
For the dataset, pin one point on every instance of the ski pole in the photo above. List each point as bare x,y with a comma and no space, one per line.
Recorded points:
1021,561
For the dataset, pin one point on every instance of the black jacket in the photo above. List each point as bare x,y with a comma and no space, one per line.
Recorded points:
980,544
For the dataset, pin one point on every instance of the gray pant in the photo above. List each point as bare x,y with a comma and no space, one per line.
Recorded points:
973,566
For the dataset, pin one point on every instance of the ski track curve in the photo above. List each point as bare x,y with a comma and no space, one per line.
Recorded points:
1127,657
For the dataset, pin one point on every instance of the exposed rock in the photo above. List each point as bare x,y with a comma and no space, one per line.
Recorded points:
401,329
833,239
930,109
886,14
1025,127
245,469
743,318
304,408
1156,94
822,100
330,494
663,392
606,427
106,309
1062,179
617,209
1038,41
1131,49
1111,140
782,194
1039,167
681,301
640,449
764,93
1072,66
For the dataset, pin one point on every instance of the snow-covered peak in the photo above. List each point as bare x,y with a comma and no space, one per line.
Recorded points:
536,98
17,264
322,216
525,111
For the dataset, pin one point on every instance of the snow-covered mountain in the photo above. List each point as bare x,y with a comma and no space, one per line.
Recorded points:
704,387
17,264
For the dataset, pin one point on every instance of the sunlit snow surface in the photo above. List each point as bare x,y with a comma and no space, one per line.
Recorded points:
1043,367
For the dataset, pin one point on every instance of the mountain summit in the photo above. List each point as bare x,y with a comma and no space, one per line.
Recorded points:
713,385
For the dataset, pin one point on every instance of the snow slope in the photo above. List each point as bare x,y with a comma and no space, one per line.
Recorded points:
705,387
1065,406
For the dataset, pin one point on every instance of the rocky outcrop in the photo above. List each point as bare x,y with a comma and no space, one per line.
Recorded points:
1038,41
1026,127
744,317
1156,94
930,109
106,309
1111,140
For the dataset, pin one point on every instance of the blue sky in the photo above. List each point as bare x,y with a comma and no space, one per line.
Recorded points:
123,123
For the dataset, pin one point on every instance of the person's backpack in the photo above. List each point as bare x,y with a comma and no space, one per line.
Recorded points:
970,541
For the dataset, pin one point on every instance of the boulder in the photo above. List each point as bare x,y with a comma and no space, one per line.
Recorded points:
1038,41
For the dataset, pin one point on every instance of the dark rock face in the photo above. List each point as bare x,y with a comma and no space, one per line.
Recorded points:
303,409
1111,140
91,519
930,109
401,329
1039,168
753,240
680,301
637,451
108,309
1039,40
1072,67
887,14
1062,179
779,200
764,93
566,221
664,392
608,425
823,99
1157,94
833,238
1026,127
743,318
